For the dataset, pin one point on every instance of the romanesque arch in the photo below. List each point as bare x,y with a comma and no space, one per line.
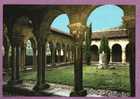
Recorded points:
58,53
94,53
116,53
48,53
63,25
29,54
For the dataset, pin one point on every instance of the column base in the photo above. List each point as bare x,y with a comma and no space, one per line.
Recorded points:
79,93
14,82
38,87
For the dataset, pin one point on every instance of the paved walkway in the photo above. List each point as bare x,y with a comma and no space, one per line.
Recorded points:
55,89
65,90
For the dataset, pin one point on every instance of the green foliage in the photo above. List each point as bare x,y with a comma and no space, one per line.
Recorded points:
105,47
87,50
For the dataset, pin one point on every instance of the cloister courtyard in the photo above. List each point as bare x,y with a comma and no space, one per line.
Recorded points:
58,50
116,79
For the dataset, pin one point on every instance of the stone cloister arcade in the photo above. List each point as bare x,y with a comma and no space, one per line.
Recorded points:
23,23
118,47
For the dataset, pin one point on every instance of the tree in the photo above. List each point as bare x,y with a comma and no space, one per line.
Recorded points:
88,38
104,47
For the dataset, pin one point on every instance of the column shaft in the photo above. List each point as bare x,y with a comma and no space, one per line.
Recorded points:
23,58
78,69
41,84
53,55
6,59
39,65
34,59
17,61
123,56
43,63
13,64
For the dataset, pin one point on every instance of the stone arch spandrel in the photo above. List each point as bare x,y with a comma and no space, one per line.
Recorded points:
122,42
48,19
97,43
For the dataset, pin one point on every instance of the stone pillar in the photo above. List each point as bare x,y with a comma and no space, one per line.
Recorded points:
129,20
34,59
59,56
123,56
16,59
72,55
17,42
23,56
65,55
18,50
53,55
41,62
110,56
77,33
13,64
78,75
6,58
68,55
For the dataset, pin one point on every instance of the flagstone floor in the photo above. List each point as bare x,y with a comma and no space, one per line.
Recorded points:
64,90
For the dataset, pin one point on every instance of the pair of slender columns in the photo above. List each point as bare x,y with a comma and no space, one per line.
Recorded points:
6,59
41,62
59,56
65,55
15,63
123,57
78,73
53,55
23,57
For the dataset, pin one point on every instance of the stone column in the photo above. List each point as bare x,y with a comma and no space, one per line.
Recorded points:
77,32
78,73
16,59
110,55
6,59
41,62
53,55
69,56
123,56
129,20
59,56
34,59
15,63
72,55
23,54
65,55
18,50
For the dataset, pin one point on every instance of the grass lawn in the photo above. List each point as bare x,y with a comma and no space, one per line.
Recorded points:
114,79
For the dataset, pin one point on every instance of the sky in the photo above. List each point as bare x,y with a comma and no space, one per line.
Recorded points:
103,17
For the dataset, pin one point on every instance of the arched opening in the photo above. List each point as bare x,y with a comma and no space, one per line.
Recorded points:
29,55
48,53
116,53
127,52
58,53
52,53
113,14
61,23
62,52
94,53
